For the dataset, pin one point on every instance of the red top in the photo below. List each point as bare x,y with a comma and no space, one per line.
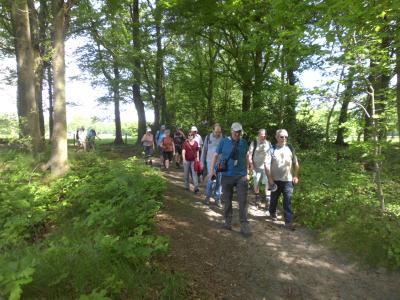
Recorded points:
190,150
168,144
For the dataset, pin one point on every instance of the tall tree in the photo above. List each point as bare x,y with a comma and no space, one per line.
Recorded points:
59,151
137,68
28,110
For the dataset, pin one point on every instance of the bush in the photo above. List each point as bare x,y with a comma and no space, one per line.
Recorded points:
337,197
87,234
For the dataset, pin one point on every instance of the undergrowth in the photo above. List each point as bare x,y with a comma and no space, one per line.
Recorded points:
88,235
337,197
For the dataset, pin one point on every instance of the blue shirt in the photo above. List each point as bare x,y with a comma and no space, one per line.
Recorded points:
160,135
224,150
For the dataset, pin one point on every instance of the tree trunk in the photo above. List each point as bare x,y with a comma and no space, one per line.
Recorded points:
59,153
347,95
116,94
38,62
159,87
26,77
398,88
50,95
291,100
246,96
137,99
258,80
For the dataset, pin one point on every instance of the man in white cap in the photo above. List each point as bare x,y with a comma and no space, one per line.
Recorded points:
233,151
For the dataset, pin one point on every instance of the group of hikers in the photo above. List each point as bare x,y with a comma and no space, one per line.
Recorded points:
230,163
85,139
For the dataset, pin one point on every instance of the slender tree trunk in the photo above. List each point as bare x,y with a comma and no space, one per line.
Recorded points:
211,79
291,100
26,76
398,88
50,96
377,150
118,130
59,154
137,98
328,122
246,96
159,88
343,110
258,80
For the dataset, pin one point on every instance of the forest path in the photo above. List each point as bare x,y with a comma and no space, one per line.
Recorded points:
273,263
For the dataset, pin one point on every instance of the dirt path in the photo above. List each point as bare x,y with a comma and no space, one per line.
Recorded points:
272,264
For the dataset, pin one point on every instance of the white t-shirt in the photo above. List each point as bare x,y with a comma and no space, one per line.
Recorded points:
282,162
262,154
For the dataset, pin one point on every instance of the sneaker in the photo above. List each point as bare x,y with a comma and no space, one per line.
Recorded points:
227,226
245,229
273,217
290,226
207,201
218,203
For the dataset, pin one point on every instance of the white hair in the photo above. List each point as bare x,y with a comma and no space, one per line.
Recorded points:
280,131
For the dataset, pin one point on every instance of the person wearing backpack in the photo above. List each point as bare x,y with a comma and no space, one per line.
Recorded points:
179,139
168,148
160,134
284,172
91,137
233,151
259,156
211,143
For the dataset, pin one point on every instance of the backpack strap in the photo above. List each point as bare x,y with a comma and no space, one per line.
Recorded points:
254,149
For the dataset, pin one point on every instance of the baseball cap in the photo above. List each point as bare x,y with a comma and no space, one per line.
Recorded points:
194,128
236,126
148,129
162,127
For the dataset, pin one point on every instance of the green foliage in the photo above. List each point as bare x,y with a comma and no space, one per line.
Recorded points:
88,234
337,197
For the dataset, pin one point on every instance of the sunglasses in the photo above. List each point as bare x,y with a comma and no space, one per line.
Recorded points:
283,137
237,132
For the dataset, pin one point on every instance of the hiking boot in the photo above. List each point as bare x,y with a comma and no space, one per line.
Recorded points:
273,217
227,226
218,203
245,230
267,201
207,200
257,200
290,226
196,190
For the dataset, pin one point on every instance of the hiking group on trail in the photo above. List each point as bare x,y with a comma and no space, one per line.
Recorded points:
230,163
85,139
